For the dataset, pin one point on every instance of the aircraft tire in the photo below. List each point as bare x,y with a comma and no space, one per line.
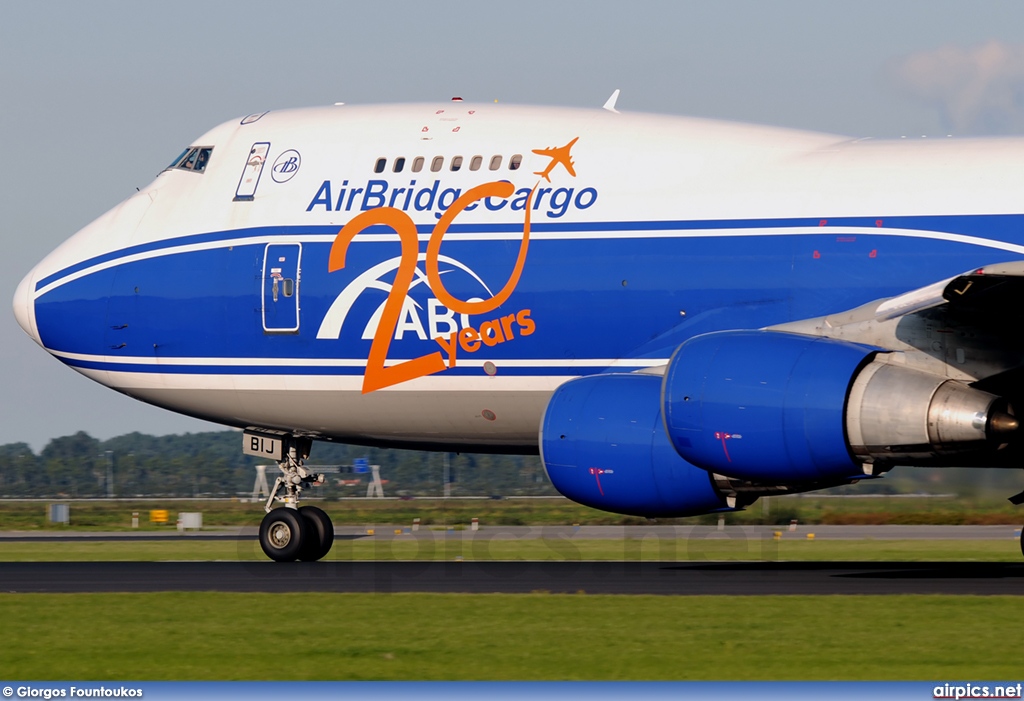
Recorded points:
282,534
319,534
1022,541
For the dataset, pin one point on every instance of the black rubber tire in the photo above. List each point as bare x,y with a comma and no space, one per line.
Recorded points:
1022,541
282,534
319,533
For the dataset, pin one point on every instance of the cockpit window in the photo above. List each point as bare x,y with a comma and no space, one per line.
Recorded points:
189,162
177,160
194,159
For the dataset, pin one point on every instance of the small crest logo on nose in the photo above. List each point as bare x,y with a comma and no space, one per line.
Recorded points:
286,166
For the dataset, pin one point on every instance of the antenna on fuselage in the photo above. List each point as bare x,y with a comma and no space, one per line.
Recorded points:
610,104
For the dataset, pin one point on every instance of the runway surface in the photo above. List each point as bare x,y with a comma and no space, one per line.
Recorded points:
667,578
569,576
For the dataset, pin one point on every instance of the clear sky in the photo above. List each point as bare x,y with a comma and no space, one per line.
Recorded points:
96,98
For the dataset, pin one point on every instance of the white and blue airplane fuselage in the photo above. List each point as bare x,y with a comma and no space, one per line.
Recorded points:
583,282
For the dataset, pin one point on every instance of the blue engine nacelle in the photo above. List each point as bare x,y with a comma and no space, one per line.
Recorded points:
750,413
604,445
764,406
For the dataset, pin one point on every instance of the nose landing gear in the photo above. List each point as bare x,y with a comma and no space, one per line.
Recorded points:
294,533
319,535
283,532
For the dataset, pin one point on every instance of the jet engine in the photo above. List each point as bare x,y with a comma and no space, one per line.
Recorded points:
741,414
603,443
771,406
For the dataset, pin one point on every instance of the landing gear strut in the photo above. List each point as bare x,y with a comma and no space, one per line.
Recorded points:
294,533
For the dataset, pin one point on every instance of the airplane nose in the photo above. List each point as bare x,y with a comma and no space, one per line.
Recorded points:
24,307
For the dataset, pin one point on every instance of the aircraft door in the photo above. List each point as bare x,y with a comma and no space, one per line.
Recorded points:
281,273
250,179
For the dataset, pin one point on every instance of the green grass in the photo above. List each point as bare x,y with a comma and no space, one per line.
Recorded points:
112,516
187,636
465,547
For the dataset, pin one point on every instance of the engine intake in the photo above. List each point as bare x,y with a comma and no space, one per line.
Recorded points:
603,444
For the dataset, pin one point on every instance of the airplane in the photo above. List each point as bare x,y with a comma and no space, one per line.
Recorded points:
558,156
702,314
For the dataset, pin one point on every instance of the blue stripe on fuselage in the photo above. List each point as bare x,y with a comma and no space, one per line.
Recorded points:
599,298
297,369
999,227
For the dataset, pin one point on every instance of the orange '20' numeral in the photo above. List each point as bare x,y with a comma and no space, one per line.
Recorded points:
377,376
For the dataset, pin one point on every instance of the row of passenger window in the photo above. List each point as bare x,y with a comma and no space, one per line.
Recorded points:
437,163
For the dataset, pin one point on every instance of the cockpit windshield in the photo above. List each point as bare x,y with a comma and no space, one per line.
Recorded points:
194,158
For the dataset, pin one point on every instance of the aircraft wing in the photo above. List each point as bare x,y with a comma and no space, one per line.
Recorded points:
962,327
996,289
987,297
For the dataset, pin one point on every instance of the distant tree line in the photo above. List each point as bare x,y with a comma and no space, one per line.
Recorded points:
212,464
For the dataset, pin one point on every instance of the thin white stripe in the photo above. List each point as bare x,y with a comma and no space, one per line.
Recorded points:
322,383
357,363
553,236
146,255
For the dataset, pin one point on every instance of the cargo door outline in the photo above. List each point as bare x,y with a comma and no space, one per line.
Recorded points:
252,171
282,266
